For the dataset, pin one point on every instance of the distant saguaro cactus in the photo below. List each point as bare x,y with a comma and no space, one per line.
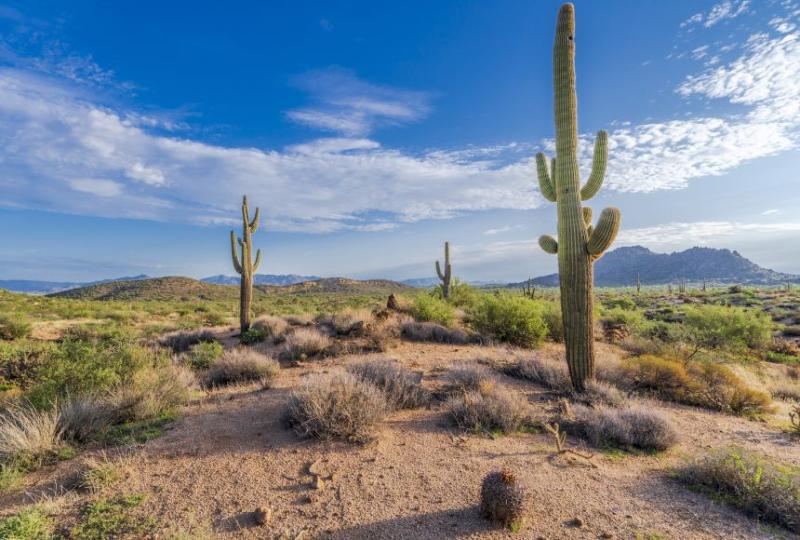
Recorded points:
528,289
638,284
244,264
579,244
445,277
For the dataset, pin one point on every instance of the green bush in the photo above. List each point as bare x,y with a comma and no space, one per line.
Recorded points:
202,355
621,316
462,295
29,524
14,326
511,318
253,335
427,308
621,302
732,328
551,313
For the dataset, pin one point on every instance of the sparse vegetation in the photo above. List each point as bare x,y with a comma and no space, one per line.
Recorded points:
239,366
435,333
305,342
634,427
511,318
468,377
336,405
14,326
760,486
28,432
183,340
29,524
495,409
203,354
400,386
540,370
113,518
428,308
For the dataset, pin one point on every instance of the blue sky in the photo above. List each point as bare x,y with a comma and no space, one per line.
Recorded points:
369,133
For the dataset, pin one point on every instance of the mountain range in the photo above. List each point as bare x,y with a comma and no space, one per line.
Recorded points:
620,268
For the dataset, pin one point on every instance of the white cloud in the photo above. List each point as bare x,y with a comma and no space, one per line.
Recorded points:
96,186
499,230
770,212
727,9
347,105
702,233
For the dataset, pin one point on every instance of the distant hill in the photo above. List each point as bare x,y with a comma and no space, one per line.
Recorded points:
261,279
427,282
183,288
46,287
340,285
619,268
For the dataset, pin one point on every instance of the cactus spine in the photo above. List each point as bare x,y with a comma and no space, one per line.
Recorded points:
243,263
579,244
445,277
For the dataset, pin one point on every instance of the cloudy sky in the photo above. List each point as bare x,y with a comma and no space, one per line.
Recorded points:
369,133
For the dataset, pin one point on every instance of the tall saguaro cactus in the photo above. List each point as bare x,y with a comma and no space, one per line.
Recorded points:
445,277
579,244
243,262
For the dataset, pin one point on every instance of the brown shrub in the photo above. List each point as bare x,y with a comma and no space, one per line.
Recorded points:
400,386
469,376
635,427
305,342
494,410
436,333
28,432
274,328
241,365
182,340
541,370
336,405
150,392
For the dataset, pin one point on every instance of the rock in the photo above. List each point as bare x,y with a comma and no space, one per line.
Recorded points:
262,515
606,535
576,522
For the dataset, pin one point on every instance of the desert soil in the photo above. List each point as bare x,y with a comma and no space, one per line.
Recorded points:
231,453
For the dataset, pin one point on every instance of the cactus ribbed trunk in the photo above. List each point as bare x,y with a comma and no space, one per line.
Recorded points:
244,264
447,274
579,244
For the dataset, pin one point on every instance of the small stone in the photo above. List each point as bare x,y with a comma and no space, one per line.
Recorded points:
576,522
606,535
262,515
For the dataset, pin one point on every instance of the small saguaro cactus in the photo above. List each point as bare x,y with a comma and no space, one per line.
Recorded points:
243,263
528,289
448,273
638,284
579,243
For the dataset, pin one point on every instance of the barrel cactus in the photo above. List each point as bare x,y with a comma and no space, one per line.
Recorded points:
244,265
503,500
579,243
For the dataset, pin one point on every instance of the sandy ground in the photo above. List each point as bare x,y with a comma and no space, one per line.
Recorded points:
230,453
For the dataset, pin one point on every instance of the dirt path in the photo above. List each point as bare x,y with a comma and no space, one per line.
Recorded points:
421,479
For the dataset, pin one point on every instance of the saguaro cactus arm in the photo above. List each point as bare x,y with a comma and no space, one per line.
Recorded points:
603,235
258,261
599,162
237,265
546,184
549,244
439,271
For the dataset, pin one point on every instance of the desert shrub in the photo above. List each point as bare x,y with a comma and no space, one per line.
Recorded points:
350,320
504,500
274,328
624,317
544,371
786,390
81,417
462,295
427,308
492,410
599,392
252,336
299,320
336,405
469,376
703,384
182,340
29,432
29,524
791,330
551,313
241,365
400,386
97,473
305,342
150,392
510,318
14,326
625,303
21,360
203,354
763,488
436,333
634,427
720,327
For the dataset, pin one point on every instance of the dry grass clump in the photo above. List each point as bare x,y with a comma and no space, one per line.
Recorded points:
602,393
28,432
785,390
182,340
81,417
300,320
540,370
495,409
336,405
763,488
633,427
400,386
274,328
351,321
150,392
97,474
704,384
504,500
436,333
305,342
469,376
241,365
